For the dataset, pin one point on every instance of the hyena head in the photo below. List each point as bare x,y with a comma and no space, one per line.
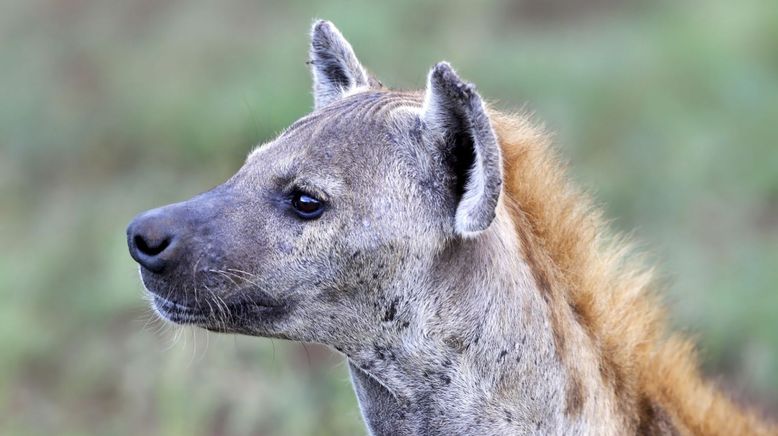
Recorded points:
340,224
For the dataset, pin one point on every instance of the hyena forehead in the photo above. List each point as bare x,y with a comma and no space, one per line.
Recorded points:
367,131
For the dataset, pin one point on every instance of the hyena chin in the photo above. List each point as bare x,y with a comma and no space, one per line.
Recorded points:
435,243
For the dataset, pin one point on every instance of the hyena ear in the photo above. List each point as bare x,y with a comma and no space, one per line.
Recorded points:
455,114
336,69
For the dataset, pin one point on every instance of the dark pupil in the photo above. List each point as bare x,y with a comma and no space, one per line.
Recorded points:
306,204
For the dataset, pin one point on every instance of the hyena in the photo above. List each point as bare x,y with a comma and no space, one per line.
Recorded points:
436,244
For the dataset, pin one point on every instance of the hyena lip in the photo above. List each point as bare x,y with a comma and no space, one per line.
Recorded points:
178,313
236,310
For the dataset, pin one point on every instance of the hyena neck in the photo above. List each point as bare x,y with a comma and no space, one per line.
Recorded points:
477,356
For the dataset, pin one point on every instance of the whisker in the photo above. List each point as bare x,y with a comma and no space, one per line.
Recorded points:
242,272
194,274
225,274
222,309
173,340
240,277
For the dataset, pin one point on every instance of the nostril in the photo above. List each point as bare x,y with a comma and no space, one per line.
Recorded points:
153,238
152,248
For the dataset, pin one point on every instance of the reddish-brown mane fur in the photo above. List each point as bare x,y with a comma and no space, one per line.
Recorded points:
590,282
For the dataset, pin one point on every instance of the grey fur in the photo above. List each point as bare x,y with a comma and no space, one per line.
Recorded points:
335,68
452,108
444,334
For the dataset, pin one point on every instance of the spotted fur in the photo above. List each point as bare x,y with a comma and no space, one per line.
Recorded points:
472,290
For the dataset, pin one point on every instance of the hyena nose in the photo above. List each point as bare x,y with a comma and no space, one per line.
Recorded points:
152,240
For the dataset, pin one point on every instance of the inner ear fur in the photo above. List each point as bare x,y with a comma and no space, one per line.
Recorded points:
455,112
335,68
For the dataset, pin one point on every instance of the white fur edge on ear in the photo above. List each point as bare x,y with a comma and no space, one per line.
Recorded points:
446,96
475,188
474,191
331,54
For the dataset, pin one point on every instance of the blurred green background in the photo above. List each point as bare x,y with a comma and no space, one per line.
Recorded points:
667,110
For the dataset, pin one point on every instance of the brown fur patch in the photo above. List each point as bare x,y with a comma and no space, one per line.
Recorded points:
589,280
540,273
655,421
574,397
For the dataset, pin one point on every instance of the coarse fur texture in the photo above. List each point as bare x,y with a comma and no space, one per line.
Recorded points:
437,244
611,295
334,65
452,107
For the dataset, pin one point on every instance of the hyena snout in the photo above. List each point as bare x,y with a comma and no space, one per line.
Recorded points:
154,239
170,240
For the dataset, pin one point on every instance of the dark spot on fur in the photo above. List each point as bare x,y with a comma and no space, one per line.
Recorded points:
392,310
508,416
654,420
610,372
577,313
553,297
502,355
574,396
383,353
446,379
542,281
455,343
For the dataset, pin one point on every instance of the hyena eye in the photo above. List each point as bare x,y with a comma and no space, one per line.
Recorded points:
307,206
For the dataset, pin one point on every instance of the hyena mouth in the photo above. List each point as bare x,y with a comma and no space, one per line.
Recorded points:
179,313
239,309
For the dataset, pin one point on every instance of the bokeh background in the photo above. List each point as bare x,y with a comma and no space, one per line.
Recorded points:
667,111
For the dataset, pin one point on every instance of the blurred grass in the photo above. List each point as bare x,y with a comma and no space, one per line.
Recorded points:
667,111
